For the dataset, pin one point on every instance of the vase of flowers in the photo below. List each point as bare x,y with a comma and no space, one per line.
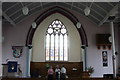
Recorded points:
47,66
90,70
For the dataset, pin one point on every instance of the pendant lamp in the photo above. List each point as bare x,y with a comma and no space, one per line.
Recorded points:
25,10
110,39
78,25
34,25
87,11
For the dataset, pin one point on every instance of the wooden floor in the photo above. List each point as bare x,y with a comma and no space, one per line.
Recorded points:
72,78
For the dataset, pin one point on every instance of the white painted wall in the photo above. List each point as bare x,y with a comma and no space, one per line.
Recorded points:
16,36
21,60
74,41
94,56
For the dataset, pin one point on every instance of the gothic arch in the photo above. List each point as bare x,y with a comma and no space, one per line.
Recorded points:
51,11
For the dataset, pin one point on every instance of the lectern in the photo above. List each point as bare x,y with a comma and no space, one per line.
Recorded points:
10,69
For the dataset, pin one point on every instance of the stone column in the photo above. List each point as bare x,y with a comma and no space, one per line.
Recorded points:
84,57
113,48
28,60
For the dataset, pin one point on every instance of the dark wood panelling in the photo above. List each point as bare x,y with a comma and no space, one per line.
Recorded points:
69,66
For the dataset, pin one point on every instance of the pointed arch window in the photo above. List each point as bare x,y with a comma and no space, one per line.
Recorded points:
56,42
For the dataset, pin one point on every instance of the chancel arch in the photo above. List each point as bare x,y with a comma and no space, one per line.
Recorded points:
62,11
76,36
39,39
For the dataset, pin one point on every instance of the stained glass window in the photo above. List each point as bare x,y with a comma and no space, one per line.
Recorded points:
56,42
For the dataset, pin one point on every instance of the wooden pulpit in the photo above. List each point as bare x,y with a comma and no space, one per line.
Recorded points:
10,69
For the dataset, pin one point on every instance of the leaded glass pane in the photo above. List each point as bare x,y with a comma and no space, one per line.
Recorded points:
57,22
47,46
63,31
54,26
61,47
52,48
65,48
50,30
60,22
53,22
59,26
56,42
56,47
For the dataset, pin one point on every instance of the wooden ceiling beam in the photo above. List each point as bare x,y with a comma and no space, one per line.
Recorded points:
109,13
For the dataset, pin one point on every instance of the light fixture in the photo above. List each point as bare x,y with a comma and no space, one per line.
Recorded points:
12,67
110,39
34,25
87,9
25,10
78,25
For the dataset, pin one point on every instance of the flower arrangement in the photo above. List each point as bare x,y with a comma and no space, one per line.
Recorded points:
90,69
47,66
